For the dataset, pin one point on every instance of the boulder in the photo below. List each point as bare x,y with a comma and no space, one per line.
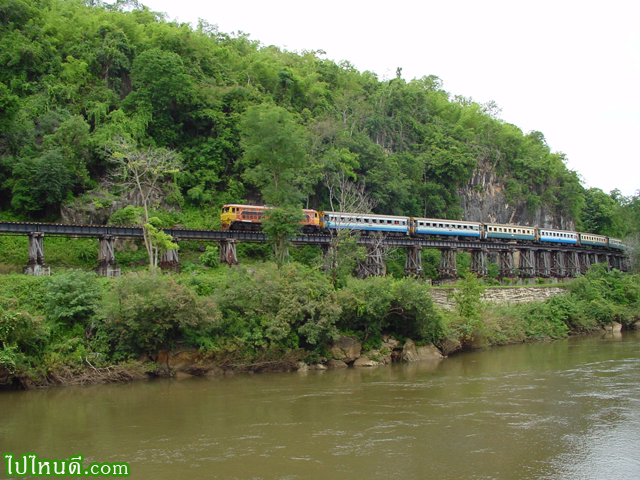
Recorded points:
613,327
318,366
365,361
389,342
411,353
429,352
333,364
347,349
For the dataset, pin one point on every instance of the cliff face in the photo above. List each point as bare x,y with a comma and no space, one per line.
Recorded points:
484,200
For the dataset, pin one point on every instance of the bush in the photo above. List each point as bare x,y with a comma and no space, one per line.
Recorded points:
146,313
266,308
377,305
211,256
72,297
606,296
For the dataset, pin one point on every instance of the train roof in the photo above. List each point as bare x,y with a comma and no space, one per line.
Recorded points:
368,215
592,234
243,205
556,230
259,206
445,220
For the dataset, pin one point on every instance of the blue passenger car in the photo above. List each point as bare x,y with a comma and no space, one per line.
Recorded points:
558,236
388,224
454,228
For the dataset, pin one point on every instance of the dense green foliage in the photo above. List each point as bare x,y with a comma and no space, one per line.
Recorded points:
250,122
75,317
592,301
378,305
75,320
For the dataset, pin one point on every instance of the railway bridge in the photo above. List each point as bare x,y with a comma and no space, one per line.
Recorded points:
514,260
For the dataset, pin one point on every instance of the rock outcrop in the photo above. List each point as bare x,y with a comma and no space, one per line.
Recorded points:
347,349
412,353
484,200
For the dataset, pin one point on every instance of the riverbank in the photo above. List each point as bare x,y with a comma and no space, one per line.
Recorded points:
76,328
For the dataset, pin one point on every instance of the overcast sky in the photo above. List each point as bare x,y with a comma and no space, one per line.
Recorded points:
567,68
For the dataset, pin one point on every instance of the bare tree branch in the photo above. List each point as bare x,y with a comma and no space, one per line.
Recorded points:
141,172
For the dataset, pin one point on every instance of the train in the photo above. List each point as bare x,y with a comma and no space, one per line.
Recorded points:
249,218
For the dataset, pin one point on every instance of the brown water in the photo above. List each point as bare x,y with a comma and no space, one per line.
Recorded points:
567,410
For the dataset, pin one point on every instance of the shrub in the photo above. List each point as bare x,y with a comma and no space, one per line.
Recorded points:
146,313
285,309
72,297
377,305
211,256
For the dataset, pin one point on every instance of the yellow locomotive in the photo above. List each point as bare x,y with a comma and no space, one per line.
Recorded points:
249,218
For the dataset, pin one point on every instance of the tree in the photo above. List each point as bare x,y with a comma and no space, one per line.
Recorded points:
281,224
40,184
598,214
345,196
164,89
274,150
141,173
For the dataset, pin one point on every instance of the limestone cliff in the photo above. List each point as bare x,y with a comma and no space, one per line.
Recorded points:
484,200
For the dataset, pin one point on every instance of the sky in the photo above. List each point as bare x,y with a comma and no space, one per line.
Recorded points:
567,68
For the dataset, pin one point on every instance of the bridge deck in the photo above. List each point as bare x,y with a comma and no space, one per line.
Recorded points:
71,230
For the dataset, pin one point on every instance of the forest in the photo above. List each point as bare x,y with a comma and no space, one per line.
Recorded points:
109,113
85,83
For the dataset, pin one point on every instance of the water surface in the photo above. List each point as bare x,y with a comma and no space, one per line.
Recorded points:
567,410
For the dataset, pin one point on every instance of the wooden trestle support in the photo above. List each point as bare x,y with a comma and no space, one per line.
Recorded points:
448,267
373,265
573,264
543,263
527,263
170,261
413,261
558,264
106,257
506,263
479,262
228,252
35,263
